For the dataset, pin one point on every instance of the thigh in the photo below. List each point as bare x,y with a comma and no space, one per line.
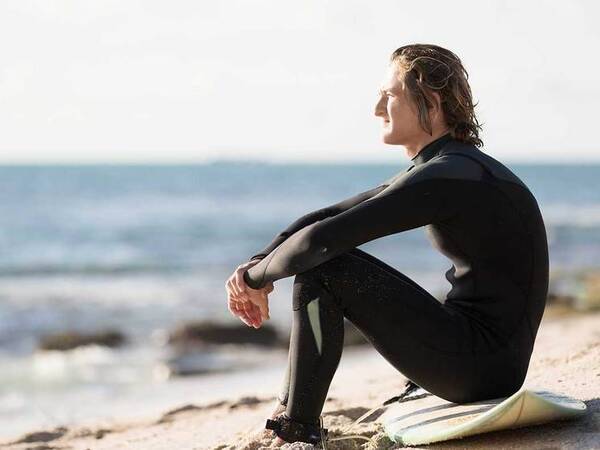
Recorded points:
429,343
392,307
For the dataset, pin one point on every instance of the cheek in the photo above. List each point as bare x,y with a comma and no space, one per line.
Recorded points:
402,114
398,111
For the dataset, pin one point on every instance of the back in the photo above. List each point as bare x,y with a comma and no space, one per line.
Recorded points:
494,234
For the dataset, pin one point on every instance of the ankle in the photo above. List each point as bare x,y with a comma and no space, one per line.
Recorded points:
291,430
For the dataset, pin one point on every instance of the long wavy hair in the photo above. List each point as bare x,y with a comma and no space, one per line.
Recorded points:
427,68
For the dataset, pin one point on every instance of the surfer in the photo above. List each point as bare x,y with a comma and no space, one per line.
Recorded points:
474,345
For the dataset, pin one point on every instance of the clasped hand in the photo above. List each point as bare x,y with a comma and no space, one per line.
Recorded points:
250,305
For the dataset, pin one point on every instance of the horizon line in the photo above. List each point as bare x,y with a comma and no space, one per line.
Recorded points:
140,163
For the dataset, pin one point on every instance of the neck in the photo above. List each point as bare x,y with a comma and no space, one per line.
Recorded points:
415,147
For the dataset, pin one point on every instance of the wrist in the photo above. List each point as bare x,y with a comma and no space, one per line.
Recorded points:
249,281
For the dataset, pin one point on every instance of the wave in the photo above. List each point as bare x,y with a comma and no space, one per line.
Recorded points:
91,269
569,215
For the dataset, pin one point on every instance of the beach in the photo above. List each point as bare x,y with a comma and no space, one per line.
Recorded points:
566,360
113,309
152,151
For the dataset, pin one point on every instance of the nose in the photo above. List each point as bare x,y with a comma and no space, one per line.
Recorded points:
380,109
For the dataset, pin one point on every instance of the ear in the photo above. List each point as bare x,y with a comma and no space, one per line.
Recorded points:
436,106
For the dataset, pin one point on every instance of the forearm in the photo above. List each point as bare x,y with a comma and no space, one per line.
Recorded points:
317,215
395,210
300,252
298,224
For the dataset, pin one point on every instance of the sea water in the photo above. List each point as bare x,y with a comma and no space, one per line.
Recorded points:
142,249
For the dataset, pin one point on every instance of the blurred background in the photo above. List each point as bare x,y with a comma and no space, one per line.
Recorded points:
149,148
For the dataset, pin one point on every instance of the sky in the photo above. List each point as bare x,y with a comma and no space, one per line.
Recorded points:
132,81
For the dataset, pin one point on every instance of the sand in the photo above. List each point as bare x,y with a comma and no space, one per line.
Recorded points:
566,360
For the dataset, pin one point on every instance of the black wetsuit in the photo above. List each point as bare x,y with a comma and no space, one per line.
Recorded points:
477,343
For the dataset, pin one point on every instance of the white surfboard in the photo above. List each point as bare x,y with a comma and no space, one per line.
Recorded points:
432,419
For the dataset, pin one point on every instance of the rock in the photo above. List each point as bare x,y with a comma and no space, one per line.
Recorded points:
43,436
246,401
72,339
560,299
198,362
195,347
206,332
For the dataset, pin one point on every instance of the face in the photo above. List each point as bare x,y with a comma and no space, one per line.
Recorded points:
400,122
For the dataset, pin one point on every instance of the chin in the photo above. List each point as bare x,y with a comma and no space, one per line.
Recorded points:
387,139
391,136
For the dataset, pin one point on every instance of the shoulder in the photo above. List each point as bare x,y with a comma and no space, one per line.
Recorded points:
443,167
495,169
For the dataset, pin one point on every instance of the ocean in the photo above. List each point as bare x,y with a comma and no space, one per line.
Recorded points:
142,249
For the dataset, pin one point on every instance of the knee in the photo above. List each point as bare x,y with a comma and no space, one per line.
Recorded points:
322,274
330,269
318,282
308,286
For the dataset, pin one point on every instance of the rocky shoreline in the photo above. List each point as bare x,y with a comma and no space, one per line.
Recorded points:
189,345
566,359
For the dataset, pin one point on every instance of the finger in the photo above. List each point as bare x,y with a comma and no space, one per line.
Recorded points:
231,307
249,320
254,313
244,318
236,309
232,298
264,307
261,308
239,314
243,315
237,306
231,287
240,283
267,307
238,298
239,293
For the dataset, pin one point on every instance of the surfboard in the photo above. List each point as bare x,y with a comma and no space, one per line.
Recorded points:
432,419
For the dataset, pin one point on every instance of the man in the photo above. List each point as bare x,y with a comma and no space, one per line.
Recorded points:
475,345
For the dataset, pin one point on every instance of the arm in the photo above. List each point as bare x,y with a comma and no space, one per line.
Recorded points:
321,214
405,204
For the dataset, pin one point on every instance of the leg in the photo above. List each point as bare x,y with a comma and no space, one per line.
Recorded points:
285,389
427,342
315,348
